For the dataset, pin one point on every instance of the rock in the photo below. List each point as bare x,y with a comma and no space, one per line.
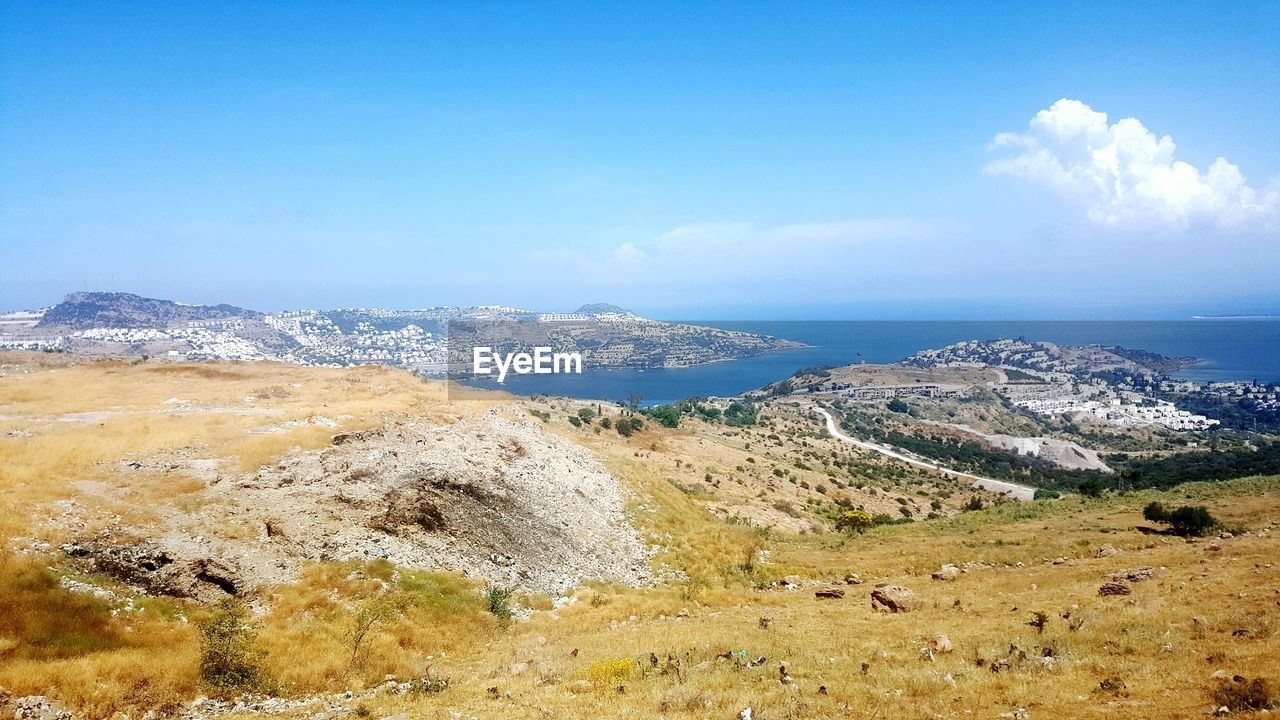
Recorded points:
893,599
1108,550
519,668
791,581
745,714
38,707
1133,574
1213,547
1116,587
941,644
684,613
581,686
831,593
853,579
947,572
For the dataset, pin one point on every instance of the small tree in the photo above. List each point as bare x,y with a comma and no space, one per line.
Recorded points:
229,657
1090,488
1188,520
898,406
1191,521
854,521
500,602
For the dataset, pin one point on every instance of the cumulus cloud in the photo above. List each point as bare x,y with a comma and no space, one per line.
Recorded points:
1122,174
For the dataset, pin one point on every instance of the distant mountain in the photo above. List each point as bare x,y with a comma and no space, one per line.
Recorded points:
125,310
601,309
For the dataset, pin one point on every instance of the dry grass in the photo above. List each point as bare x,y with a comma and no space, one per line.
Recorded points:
1150,654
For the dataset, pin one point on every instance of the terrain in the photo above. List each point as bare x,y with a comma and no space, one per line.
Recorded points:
406,552
105,324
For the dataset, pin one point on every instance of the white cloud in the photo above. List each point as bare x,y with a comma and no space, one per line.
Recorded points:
628,254
1122,174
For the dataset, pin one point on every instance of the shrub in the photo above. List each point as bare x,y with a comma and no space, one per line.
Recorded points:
665,415
973,503
627,426
898,406
610,671
575,421
1046,494
1186,521
229,658
1091,487
500,602
1191,521
854,521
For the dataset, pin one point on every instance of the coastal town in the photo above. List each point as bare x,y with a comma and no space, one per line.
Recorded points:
115,324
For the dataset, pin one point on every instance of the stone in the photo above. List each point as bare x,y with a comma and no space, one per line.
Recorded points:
519,668
1133,574
1108,550
941,644
581,686
38,707
853,579
830,593
893,599
947,572
790,581
1115,587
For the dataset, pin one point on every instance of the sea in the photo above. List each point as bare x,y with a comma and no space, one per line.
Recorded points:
1225,350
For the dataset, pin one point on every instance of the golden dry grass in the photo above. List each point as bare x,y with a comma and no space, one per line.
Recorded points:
1150,654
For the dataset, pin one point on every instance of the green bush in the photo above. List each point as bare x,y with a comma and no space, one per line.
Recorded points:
1092,487
229,658
500,602
1155,512
1191,521
1188,520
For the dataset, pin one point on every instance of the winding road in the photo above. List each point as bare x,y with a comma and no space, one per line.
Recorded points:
1019,492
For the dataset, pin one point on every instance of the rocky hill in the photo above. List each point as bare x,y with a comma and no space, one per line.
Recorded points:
86,310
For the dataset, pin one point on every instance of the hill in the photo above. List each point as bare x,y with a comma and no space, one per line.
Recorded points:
87,310
393,548
602,309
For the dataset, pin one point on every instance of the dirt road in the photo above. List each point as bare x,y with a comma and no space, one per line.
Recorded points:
1020,492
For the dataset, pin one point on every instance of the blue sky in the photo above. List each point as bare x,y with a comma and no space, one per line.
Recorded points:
806,160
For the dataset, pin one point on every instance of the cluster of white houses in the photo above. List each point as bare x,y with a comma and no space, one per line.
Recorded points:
1115,410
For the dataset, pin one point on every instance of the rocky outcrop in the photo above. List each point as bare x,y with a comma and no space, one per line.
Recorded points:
893,599
1115,587
493,495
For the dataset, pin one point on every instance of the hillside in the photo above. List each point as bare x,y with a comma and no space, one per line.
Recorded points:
498,559
85,310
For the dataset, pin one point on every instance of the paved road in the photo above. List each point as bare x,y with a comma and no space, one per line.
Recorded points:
1020,492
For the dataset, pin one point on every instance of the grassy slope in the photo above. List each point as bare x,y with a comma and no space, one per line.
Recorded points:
1147,642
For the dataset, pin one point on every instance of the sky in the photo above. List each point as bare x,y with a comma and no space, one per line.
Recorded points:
685,160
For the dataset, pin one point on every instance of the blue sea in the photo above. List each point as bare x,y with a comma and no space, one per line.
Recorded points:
1227,350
